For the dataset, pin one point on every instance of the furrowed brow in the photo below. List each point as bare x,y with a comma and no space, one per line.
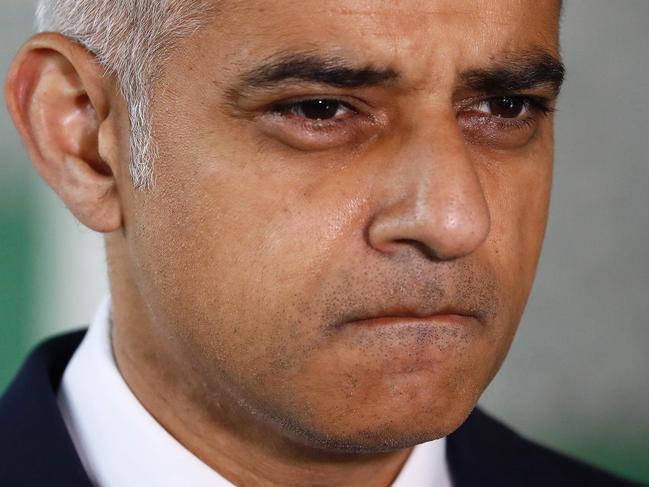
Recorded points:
523,71
311,68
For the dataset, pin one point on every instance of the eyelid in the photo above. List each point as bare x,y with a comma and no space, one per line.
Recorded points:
357,103
285,108
361,113
279,120
487,109
533,103
299,132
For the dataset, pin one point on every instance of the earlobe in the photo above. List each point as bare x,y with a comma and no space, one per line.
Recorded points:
57,97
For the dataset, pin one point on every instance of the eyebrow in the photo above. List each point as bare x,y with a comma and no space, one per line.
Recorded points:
312,68
510,72
516,72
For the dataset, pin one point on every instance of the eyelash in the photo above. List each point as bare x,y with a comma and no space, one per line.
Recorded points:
287,109
532,103
540,103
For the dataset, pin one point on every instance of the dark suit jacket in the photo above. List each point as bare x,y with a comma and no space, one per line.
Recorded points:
36,450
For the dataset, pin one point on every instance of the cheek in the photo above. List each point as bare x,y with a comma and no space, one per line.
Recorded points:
518,199
238,258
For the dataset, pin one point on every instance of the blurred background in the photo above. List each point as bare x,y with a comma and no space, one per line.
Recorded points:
577,378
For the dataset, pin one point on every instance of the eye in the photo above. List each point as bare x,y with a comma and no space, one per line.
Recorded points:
506,121
505,106
319,122
317,109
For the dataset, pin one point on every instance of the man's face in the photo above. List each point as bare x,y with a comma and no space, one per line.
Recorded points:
349,206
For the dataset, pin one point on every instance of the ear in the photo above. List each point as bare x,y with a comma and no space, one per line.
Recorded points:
59,99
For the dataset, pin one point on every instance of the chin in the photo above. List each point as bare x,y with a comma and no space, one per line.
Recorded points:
376,430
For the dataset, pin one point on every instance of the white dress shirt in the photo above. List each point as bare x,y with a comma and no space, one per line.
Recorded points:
121,445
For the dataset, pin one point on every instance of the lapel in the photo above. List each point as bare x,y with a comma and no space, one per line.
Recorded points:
35,446
484,452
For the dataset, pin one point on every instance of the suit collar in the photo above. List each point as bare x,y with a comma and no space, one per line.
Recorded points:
35,446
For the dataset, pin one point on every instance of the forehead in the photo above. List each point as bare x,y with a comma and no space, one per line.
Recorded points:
406,34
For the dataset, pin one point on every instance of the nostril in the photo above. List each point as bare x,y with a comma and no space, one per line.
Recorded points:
428,252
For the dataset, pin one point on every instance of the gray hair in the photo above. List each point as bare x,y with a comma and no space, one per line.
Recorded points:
131,39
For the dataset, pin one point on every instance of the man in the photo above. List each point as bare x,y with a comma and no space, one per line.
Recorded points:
322,222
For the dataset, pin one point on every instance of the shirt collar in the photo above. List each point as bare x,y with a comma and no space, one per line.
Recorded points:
120,444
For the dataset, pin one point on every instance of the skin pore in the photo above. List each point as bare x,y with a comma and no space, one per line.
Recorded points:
349,205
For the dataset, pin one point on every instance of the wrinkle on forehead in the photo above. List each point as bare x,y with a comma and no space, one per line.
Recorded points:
424,40
498,11
321,14
391,11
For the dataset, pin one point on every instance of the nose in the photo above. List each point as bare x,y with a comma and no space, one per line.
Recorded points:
432,198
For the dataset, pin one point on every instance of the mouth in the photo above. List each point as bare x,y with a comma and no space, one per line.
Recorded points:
405,339
443,316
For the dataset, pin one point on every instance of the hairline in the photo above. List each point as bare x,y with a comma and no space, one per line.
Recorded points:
131,40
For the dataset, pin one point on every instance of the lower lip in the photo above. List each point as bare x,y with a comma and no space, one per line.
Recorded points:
406,343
